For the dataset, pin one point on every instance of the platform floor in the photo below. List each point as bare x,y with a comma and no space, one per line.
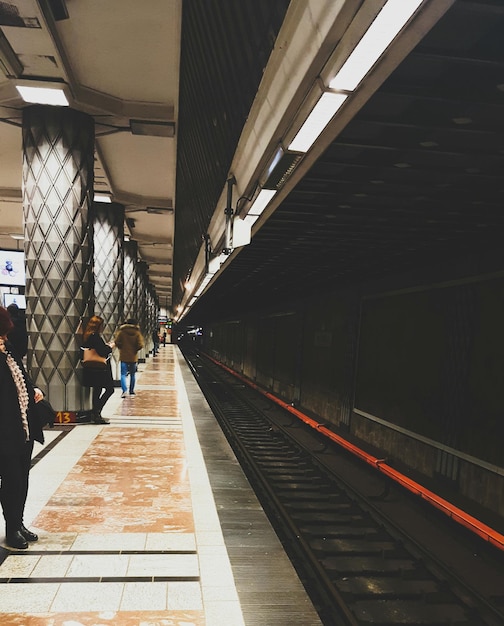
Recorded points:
148,521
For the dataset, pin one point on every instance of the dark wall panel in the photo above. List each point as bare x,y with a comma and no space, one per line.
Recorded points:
431,361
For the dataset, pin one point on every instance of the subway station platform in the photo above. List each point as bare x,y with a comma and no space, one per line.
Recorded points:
148,521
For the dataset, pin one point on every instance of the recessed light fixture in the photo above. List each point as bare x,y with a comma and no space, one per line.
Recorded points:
100,197
50,94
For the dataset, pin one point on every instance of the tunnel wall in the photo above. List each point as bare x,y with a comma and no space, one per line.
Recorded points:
415,372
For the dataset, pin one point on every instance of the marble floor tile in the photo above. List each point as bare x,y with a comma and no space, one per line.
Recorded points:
20,566
107,618
184,595
175,565
88,565
145,596
15,598
93,596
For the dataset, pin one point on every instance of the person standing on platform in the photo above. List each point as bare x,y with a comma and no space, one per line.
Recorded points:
155,340
18,336
129,340
18,430
100,380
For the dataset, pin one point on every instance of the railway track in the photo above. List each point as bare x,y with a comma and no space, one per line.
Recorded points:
356,564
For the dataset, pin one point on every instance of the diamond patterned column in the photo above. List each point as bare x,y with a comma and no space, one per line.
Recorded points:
108,229
58,164
130,279
141,286
152,314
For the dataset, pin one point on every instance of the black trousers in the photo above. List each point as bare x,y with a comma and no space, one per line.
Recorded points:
100,399
15,465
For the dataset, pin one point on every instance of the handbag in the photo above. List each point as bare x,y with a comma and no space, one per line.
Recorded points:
91,359
44,413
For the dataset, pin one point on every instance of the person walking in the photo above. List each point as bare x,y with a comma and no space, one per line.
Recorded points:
98,379
19,428
129,340
155,341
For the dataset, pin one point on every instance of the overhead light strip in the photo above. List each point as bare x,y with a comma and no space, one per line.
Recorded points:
384,29
322,113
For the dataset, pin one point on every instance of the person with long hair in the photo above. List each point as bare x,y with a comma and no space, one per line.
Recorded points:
99,380
19,428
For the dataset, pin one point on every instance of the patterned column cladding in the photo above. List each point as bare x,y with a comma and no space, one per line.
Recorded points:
142,318
130,271
58,165
153,312
148,319
108,235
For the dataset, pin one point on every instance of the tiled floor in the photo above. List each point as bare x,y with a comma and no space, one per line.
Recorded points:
128,522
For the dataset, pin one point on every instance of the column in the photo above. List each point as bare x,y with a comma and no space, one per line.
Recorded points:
58,166
108,235
141,287
130,280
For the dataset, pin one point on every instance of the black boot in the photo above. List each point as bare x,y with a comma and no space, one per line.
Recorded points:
14,539
98,419
27,534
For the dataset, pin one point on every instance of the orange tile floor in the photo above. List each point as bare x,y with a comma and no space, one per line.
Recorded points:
128,531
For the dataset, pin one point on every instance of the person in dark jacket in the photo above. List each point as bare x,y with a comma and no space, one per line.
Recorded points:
129,340
19,428
18,337
100,380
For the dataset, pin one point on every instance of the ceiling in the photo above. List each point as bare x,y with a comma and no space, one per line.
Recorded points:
409,173
120,59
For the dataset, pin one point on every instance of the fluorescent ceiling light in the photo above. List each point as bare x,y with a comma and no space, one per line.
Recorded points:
43,95
98,197
250,220
214,265
387,24
321,115
261,202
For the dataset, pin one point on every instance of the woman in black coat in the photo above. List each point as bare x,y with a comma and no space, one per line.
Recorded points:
19,428
99,379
